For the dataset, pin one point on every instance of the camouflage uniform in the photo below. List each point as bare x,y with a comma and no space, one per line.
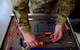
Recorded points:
61,7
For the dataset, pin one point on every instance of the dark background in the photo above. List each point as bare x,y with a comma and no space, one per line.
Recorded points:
75,17
76,11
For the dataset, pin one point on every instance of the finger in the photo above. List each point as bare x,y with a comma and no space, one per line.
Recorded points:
53,40
55,36
31,44
27,44
35,42
51,36
59,37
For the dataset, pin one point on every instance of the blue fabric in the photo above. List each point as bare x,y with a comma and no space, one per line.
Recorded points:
47,49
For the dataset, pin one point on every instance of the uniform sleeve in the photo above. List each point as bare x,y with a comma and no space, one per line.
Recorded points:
20,8
65,8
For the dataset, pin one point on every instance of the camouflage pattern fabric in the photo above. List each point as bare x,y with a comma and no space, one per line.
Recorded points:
61,7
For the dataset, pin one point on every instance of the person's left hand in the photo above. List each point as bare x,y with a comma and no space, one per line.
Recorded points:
57,34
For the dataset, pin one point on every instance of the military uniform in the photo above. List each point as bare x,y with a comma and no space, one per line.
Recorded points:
61,7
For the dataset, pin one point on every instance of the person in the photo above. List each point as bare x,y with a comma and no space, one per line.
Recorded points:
61,7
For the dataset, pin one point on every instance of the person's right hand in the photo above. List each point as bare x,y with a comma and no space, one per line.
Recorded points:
30,39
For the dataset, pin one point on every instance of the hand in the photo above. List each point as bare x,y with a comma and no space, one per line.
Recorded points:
57,34
30,39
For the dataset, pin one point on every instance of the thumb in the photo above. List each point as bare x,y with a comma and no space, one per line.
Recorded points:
55,35
51,36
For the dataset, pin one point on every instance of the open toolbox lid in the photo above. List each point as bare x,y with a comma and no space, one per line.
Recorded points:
5,11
